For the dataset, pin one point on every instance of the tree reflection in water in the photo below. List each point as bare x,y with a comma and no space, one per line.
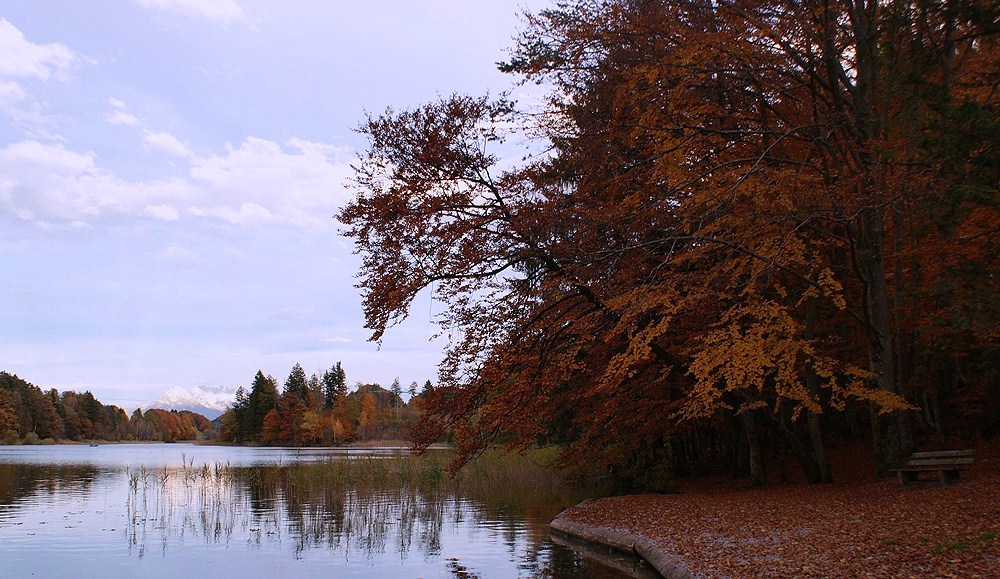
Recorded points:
357,515
20,481
366,506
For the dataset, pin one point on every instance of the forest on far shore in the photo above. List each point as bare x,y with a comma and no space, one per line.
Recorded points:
320,410
30,415
308,411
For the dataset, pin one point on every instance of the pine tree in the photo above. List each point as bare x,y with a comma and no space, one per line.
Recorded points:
334,385
317,398
263,398
397,393
234,424
297,383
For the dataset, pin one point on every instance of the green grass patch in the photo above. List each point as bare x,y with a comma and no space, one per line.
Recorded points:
975,543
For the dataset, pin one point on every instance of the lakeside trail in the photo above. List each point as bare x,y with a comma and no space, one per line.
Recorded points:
855,527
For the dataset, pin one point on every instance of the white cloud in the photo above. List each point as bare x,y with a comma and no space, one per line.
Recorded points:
120,117
162,212
166,143
40,158
215,10
249,214
57,185
24,59
175,254
11,93
24,214
259,183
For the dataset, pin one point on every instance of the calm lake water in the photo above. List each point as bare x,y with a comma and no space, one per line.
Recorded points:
174,510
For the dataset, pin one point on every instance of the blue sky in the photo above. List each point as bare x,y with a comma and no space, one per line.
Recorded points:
169,170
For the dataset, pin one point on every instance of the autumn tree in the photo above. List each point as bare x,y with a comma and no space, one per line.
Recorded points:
270,432
368,418
738,217
8,418
30,410
234,423
317,396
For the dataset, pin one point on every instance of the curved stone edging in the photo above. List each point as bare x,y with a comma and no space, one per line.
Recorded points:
665,564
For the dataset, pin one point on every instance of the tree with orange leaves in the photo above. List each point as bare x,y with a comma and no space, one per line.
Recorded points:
724,227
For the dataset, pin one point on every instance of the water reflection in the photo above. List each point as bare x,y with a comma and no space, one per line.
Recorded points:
20,482
368,516
359,508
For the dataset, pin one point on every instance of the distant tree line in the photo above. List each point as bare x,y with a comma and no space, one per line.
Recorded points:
28,414
319,410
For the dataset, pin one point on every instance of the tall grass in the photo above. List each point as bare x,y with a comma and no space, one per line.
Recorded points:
366,502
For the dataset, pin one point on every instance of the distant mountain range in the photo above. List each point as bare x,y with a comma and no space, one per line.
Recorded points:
209,401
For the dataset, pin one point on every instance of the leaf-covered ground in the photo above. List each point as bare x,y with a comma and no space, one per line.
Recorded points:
856,527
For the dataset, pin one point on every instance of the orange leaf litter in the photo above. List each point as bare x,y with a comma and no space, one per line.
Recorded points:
852,528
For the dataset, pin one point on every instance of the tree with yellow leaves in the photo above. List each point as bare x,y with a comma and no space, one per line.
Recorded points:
727,228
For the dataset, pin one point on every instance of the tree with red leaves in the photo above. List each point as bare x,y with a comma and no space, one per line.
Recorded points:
742,215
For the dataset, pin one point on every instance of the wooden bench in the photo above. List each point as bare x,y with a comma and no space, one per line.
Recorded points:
946,463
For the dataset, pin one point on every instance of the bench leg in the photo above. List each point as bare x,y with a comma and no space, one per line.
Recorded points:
906,477
948,476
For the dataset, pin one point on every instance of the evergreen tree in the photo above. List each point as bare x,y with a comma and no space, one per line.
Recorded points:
341,383
297,383
413,389
317,398
334,385
397,393
235,425
263,398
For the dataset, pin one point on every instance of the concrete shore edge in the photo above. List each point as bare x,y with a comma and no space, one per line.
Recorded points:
667,565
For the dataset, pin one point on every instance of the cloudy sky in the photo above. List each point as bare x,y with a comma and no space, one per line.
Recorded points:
169,170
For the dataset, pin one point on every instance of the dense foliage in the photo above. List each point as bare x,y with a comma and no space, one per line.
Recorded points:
29,414
759,225
318,410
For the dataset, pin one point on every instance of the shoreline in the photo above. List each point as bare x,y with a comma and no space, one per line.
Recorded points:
855,527
666,564
391,443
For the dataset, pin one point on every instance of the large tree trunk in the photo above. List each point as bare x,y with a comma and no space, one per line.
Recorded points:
741,449
867,233
869,257
793,445
757,474
904,366
812,383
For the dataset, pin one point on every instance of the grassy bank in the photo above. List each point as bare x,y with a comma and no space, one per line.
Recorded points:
494,474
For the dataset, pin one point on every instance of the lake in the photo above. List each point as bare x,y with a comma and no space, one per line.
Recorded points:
169,510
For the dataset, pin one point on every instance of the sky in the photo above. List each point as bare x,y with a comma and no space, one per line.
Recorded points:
169,172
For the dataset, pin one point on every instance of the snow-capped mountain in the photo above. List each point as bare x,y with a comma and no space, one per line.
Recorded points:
210,401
